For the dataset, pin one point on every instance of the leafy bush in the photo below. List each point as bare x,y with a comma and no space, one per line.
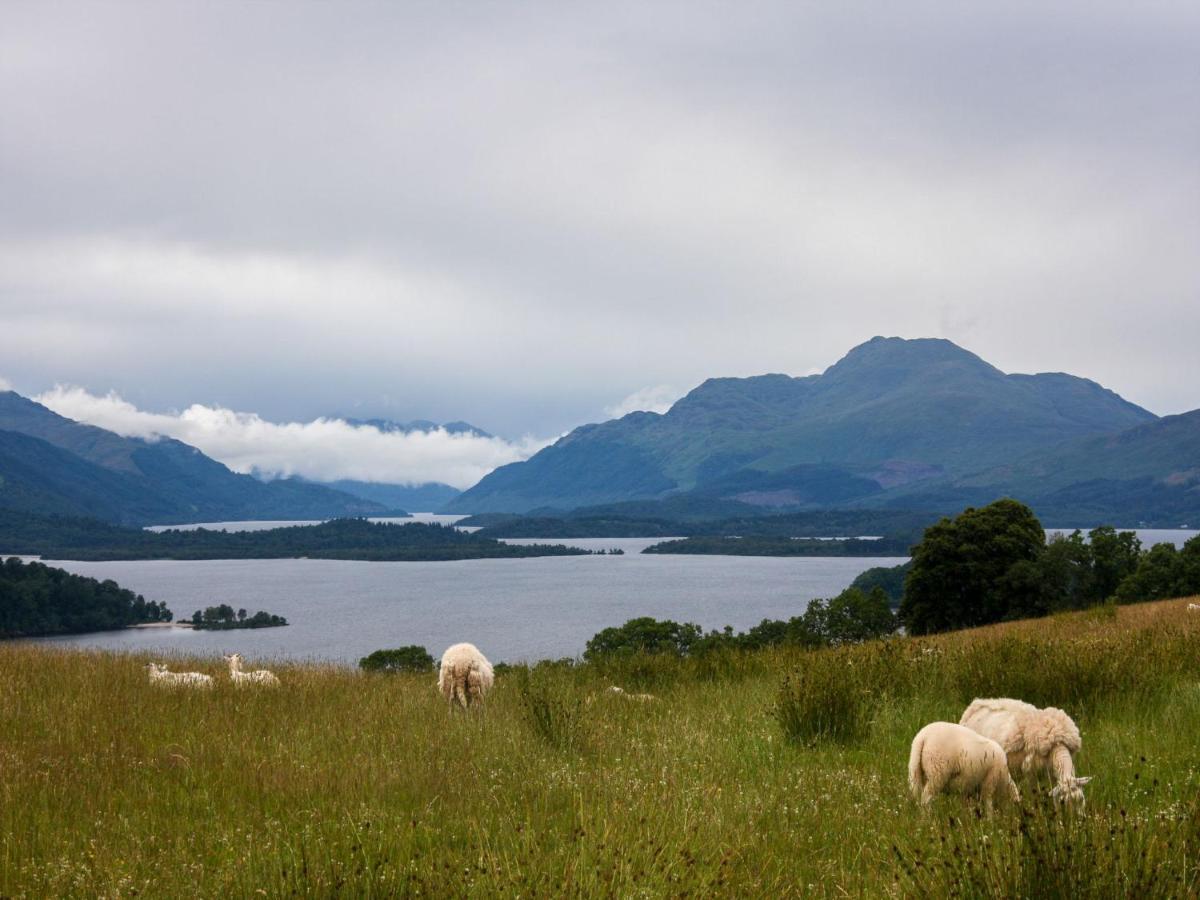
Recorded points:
412,658
645,635
1163,572
851,616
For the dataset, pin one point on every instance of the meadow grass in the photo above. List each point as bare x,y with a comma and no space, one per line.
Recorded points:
343,784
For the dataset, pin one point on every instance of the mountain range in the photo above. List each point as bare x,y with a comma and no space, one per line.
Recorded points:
51,464
918,424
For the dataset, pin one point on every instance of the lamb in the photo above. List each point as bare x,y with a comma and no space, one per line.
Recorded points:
465,675
1035,741
949,757
240,678
161,676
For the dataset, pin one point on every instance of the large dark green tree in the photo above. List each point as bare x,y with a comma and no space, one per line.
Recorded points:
960,569
1115,556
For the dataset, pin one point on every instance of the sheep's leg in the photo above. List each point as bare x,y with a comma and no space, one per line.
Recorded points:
928,793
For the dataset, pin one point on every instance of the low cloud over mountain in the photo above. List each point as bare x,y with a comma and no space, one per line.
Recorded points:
325,449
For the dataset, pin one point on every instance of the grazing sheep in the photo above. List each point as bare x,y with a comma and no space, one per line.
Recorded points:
1035,740
949,757
1193,607
240,678
161,676
465,675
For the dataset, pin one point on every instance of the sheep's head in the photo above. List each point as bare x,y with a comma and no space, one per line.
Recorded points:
1070,791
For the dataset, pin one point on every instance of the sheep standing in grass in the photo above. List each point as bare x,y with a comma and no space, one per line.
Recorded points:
161,676
465,675
240,678
1034,740
950,758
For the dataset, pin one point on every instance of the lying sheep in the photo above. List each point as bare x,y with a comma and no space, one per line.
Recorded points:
465,675
950,758
161,676
1035,741
644,698
258,676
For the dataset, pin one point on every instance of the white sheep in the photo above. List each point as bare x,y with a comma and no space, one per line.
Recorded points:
240,678
1034,740
948,757
621,692
465,674
161,676
1193,607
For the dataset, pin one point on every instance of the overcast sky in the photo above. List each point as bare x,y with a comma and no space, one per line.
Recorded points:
531,216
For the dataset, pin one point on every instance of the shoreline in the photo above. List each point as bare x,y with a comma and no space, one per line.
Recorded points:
162,625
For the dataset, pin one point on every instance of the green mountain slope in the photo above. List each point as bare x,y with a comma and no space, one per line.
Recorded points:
36,476
99,473
1149,473
891,412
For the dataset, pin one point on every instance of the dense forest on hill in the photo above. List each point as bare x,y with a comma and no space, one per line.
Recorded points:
37,600
85,539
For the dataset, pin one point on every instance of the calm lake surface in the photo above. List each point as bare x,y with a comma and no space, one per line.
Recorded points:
513,609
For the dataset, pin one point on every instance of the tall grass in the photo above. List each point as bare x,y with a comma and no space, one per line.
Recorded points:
343,784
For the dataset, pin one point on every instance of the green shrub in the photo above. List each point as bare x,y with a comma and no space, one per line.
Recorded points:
412,658
853,615
645,635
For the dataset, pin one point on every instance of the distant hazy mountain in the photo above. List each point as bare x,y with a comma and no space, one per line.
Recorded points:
49,463
890,416
428,497
388,425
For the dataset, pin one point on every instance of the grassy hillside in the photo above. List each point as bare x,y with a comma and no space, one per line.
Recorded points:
342,784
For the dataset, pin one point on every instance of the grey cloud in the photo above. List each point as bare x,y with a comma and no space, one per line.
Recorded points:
516,214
